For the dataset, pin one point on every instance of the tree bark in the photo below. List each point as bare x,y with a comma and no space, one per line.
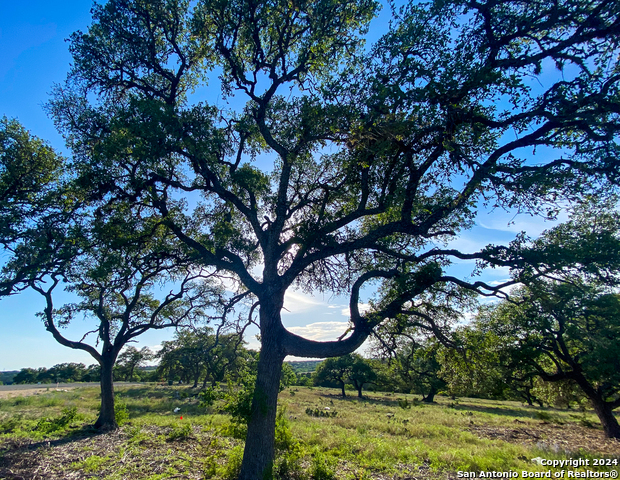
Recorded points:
430,397
259,450
342,387
107,419
606,416
603,409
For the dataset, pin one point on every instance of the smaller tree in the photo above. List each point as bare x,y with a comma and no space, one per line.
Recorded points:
351,368
414,340
563,324
477,368
420,365
414,363
113,265
565,332
93,373
27,375
67,372
132,358
362,373
289,376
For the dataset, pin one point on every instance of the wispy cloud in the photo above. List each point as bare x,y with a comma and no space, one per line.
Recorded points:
321,331
507,222
297,302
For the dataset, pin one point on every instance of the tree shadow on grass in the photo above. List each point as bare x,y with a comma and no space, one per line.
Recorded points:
531,413
462,406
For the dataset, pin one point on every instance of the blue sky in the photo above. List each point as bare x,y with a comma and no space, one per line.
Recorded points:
35,56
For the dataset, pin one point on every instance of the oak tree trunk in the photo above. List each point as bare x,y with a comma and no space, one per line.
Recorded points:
259,450
430,397
107,419
603,409
606,416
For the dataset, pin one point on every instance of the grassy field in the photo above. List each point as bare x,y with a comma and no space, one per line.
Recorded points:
321,436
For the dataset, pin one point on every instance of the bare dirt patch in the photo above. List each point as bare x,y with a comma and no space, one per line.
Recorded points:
67,458
570,439
23,393
8,391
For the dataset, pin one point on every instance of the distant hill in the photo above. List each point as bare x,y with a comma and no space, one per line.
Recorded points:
7,377
305,366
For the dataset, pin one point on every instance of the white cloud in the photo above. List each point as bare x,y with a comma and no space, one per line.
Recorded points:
321,331
498,282
155,348
363,308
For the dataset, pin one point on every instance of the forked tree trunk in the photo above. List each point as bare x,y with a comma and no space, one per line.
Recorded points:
342,387
260,442
606,416
107,419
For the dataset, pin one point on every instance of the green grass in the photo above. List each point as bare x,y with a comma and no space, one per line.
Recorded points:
382,436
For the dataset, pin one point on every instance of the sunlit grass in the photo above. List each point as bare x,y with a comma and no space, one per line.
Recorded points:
351,438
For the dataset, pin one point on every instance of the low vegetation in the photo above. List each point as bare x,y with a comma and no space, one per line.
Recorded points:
168,432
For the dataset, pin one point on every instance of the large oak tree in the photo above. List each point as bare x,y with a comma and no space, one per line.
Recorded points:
324,164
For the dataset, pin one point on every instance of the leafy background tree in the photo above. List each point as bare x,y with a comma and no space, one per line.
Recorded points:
563,324
131,358
112,264
348,369
201,354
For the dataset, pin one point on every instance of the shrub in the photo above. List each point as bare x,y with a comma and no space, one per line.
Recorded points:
209,396
239,402
52,425
180,432
121,415
317,412
232,467
288,466
321,468
9,425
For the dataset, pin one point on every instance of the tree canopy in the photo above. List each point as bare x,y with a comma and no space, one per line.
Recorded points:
333,165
